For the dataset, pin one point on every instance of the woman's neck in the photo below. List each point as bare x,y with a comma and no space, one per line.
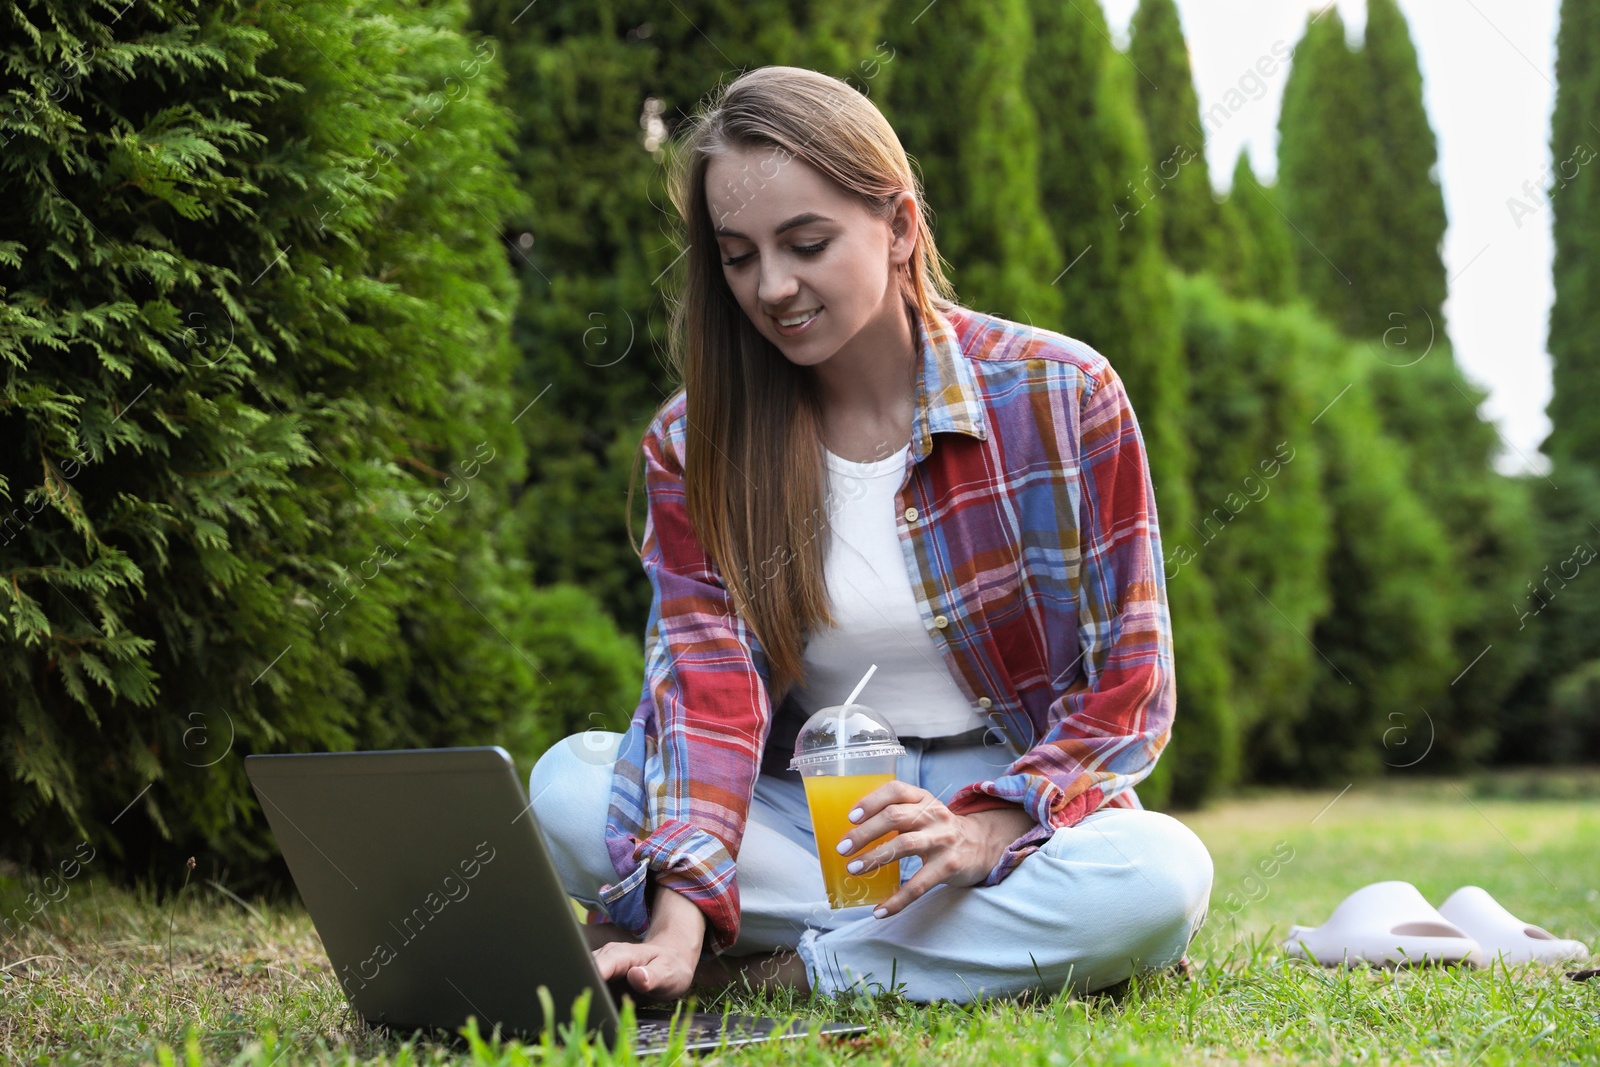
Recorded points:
869,390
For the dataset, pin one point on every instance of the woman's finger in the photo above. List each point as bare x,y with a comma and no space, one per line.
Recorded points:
891,851
662,978
613,960
930,875
891,792
646,969
640,978
916,812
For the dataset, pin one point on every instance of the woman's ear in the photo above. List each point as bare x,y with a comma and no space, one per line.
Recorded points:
903,228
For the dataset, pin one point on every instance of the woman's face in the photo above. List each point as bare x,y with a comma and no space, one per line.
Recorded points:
795,246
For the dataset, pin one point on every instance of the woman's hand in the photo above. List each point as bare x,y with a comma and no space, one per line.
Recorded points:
662,966
956,849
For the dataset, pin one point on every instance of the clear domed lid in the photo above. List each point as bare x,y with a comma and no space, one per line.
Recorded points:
843,731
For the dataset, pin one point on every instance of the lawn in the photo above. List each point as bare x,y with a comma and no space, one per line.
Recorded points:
104,975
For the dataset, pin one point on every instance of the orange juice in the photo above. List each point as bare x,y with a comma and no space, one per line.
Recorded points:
831,798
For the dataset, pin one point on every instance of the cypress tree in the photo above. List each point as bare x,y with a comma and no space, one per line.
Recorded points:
956,97
1384,654
1117,297
1574,407
1404,274
1112,276
1192,229
1262,524
1235,265
257,425
1265,266
586,248
1327,160
1357,163
1427,401
1554,713
1328,571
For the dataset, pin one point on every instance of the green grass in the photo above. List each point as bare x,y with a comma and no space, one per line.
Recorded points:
104,975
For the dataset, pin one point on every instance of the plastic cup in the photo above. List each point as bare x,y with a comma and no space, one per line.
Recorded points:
843,753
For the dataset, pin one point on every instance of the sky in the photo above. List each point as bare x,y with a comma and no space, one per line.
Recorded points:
1488,69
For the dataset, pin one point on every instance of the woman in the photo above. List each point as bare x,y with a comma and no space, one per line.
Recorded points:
858,470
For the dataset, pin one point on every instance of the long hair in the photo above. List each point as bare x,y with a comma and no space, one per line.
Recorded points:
754,475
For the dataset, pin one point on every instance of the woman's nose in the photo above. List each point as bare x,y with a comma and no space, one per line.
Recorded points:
776,287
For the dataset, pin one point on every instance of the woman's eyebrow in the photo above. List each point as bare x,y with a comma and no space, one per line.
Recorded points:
798,220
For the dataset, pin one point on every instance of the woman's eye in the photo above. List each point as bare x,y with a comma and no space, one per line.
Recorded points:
805,250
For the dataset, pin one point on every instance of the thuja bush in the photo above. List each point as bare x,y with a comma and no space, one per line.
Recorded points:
256,419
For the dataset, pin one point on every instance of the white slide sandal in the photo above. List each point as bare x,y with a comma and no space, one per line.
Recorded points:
1502,935
1388,924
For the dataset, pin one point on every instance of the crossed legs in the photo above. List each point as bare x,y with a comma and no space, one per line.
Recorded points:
1123,890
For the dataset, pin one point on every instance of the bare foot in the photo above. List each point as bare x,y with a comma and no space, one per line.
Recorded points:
766,971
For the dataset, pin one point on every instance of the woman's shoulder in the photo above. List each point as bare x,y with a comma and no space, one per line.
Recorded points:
672,413
664,436
996,344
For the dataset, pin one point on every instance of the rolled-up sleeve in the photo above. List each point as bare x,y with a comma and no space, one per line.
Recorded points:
1111,723
688,765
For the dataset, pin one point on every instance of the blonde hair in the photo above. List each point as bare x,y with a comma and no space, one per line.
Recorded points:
753,466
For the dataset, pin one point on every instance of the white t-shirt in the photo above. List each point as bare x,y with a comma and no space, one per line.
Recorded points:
870,587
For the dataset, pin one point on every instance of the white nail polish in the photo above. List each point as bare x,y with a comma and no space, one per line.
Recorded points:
880,913
845,846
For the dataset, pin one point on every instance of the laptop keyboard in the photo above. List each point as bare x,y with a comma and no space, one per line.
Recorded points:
659,1032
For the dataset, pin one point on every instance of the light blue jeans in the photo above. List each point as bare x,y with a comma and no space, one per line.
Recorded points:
1123,890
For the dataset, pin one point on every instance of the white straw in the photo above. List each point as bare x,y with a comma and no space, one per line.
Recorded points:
861,685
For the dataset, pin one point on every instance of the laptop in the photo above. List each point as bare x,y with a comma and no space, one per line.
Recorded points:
431,888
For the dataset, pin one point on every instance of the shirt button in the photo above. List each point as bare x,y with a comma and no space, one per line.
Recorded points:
940,621
911,514
985,702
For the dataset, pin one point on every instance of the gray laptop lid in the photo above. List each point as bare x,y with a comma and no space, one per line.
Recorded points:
427,880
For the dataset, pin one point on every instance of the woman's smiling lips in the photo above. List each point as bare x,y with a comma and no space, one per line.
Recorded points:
790,331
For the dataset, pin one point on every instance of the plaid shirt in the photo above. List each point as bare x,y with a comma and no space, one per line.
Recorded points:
1038,573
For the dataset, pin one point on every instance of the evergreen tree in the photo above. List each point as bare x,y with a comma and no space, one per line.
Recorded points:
1357,171
1327,160
1235,265
1574,407
1427,402
1264,267
1262,525
1326,561
1555,711
1384,649
586,248
256,430
1112,273
956,97
1403,275
1193,231
1115,284
1348,114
